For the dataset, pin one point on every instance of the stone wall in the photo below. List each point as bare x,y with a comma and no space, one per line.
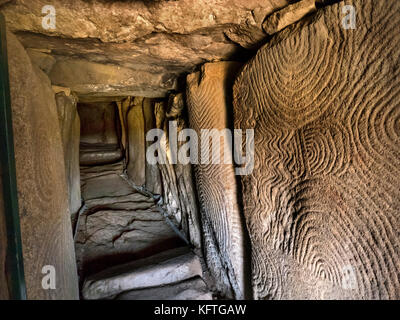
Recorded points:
70,135
136,152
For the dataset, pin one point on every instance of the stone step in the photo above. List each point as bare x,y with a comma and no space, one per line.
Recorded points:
168,267
192,289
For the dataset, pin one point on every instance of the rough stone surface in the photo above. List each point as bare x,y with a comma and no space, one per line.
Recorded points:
153,177
118,224
249,37
4,294
209,101
70,135
155,41
41,59
91,80
289,15
179,195
322,204
136,143
165,268
192,289
99,143
43,203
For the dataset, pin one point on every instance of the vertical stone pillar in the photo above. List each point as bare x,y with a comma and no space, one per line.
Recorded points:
153,178
42,189
136,143
209,105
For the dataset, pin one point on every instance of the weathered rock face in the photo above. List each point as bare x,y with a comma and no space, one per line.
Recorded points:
179,195
43,204
136,143
70,135
3,247
144,45
42,59
91,80
322,204
115,21
192,289
137,118
163,269
118,224
209,104
99,142
289,15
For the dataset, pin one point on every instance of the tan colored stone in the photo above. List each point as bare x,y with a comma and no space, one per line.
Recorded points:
4,293
99,143
157,41
179,195
91,80
249,37
58,89
128,21
118,224
322,204
209,93
43,60
192,289
153,178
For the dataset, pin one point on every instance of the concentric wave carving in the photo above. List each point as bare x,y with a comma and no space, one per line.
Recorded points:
207,98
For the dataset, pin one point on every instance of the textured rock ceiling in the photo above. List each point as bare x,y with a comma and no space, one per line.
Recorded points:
152,42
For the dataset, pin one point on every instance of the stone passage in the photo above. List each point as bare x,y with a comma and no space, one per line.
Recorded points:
323,202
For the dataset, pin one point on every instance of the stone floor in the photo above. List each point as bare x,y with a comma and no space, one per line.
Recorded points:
125,248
